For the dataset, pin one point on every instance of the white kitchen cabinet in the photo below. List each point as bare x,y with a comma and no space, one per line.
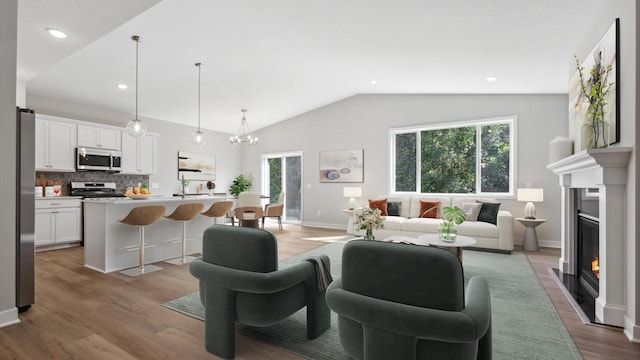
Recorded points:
57,221
96,137
138,154
55,145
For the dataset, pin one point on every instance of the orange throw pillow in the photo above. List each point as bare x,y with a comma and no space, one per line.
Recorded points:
379,204
429,209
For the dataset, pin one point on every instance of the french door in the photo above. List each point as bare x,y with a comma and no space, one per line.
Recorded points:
282,172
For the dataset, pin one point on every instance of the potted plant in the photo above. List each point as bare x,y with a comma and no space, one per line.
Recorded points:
241,183
452,216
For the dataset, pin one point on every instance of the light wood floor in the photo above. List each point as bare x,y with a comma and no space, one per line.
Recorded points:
82,314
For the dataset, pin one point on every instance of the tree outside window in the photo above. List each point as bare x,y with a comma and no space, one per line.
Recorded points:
475,158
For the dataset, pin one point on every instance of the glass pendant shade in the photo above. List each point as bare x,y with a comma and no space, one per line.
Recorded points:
198,137
243,137
137,127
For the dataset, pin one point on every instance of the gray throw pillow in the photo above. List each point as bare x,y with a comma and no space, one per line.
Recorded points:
472,210
393,208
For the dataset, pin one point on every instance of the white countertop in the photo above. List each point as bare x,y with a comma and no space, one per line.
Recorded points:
155,199
57,197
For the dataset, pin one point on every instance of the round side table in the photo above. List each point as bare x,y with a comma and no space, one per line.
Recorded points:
530,239
455,246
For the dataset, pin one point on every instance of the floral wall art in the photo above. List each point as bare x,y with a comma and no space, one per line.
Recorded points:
590,125
342,166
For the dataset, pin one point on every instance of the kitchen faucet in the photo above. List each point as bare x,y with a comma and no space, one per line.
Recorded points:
183,186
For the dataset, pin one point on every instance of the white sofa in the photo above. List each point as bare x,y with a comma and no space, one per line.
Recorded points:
488,236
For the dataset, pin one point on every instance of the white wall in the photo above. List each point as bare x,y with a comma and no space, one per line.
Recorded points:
8,39
363,121
21,93
629,92
172,138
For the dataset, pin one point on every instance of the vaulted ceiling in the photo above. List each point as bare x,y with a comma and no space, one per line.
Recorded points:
281,58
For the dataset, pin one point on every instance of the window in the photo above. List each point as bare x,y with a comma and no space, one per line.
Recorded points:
475,157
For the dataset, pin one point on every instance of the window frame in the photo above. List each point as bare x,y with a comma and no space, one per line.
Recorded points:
478,123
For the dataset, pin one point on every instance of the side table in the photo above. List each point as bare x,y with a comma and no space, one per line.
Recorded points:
455,246
530,239
349,213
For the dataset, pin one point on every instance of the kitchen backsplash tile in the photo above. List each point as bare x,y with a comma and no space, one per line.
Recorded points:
122,181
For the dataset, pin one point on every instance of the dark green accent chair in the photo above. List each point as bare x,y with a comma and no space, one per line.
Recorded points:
397,301
240,283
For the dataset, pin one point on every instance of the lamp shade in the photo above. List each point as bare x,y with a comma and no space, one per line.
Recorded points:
530,194
352,192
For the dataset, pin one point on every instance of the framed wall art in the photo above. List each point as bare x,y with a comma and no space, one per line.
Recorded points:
581,125
196,166
342,166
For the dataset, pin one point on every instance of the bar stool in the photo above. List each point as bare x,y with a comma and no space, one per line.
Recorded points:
142,216
184,213
218,208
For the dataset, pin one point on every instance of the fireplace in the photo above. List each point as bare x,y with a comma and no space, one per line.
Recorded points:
595,262
588,252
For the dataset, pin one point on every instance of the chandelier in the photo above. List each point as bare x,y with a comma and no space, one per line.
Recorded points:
243,137
136,127
198,137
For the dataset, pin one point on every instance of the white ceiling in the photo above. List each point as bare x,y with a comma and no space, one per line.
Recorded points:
281,58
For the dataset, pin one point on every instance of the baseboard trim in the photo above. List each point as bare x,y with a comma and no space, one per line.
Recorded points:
631,330
9,317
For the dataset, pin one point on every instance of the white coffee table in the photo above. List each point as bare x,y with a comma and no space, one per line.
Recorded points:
455,247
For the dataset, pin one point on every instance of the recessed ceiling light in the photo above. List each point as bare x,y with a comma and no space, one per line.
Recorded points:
122,86
56,33
373,82
492,78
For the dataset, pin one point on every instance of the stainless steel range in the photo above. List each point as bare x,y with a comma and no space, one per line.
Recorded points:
94,189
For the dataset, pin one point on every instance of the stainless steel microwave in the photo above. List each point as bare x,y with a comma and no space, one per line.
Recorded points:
98,160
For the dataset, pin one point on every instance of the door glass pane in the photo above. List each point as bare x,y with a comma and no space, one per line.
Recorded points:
293,186
275,178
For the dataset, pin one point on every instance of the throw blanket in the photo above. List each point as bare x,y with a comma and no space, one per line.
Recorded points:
323,270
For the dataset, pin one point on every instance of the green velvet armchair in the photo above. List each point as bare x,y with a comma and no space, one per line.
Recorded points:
240,283
397,301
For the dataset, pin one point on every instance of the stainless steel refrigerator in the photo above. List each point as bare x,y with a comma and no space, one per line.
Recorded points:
25,209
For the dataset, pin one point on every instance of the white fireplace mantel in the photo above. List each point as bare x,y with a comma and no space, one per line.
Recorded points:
605,169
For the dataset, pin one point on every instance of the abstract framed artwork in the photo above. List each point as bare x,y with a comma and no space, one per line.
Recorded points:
196,166
342,166
604,53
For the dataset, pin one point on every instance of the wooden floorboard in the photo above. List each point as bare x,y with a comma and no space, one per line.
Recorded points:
594,341
83,314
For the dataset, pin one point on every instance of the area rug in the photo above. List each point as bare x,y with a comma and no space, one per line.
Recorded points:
525,323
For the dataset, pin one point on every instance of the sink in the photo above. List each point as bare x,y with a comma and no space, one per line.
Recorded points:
192,195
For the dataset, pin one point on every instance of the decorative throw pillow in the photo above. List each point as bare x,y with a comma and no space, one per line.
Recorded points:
379,204
429,209
472,210
393,208
489,212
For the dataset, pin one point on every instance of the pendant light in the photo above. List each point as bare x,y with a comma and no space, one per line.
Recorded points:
243,137
198,137
136,127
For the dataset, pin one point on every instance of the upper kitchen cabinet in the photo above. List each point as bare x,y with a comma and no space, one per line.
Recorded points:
55,145
138,154
97,137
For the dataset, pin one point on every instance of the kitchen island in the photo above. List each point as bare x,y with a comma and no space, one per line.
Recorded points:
112,246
